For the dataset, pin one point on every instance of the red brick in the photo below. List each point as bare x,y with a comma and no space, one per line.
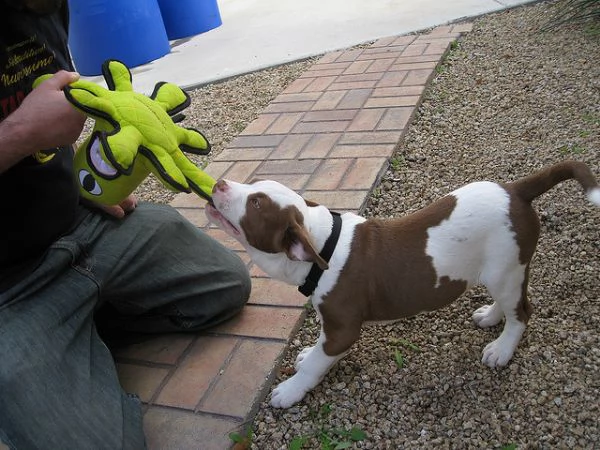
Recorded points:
318,116
289,106
167,428
335,65
291,146
141,380
362,151
329,58
329,100
329,174
386,102
404,40
243,381
414,65
418,59
225,239
216,169
256,141
302,97
321,127
354,99
418,77
195,215
396,118
444,29
266,291
297,86
364,173
162,349
262,321
392,79
349,55
320,84
185,200
288,167
366,120
437,48
242,171
381,65
382,52
284,123
322,73
295,182
357,67
414,50
260,124
200,368
338,200
370,137
320,145
358,78
383,42
353,85
247,154
462,28
399,91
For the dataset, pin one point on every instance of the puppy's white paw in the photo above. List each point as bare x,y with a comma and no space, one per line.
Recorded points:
287,393
302,356
487,316
497,353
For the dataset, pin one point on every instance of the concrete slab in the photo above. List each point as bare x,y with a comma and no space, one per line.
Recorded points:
262,33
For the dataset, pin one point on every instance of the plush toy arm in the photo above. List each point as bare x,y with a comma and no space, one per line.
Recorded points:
87,97
199,181
192,141
122,148
171,97
165,168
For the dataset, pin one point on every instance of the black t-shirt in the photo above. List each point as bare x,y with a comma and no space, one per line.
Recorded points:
38,195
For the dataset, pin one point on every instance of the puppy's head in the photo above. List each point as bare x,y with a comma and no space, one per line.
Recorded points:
265,216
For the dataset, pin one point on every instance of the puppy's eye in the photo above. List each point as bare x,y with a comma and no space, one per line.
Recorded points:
255,203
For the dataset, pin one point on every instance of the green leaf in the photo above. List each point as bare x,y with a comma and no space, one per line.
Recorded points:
297,443
342,445
236,437
356,434
399,359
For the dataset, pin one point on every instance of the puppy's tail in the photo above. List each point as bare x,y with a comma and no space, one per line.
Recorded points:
536,184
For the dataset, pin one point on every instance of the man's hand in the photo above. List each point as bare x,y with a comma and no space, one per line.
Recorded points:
43,121
118,211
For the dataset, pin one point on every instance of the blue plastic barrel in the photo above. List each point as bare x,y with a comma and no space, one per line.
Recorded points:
183,18
131,31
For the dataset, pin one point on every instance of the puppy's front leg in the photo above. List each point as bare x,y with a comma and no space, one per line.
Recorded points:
312,364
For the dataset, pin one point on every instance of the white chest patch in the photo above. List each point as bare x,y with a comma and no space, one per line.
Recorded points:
477,232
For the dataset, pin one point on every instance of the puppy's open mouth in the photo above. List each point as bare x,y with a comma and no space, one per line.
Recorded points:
216,215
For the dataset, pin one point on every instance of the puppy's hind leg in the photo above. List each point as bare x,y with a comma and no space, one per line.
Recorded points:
510,295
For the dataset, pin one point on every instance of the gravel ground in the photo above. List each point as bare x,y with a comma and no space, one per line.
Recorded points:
507,101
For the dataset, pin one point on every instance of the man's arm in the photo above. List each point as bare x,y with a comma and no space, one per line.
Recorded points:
44,120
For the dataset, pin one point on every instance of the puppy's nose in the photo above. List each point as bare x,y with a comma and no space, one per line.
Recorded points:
220,186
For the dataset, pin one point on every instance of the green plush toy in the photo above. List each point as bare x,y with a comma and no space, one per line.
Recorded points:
134,135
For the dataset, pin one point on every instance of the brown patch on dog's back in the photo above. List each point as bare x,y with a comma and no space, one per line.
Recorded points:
378,283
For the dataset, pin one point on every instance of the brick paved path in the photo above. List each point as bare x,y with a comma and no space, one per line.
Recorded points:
329,136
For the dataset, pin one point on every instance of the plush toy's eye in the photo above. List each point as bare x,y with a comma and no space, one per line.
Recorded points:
98,164
89,183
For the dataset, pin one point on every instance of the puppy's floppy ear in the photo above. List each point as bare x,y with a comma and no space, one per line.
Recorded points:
298,244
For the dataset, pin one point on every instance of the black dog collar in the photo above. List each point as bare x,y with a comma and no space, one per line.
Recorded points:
312,280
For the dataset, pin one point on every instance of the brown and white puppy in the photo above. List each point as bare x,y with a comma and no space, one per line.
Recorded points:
381,270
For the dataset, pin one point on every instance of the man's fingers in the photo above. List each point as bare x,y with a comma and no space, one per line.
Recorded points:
129,203
60,79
